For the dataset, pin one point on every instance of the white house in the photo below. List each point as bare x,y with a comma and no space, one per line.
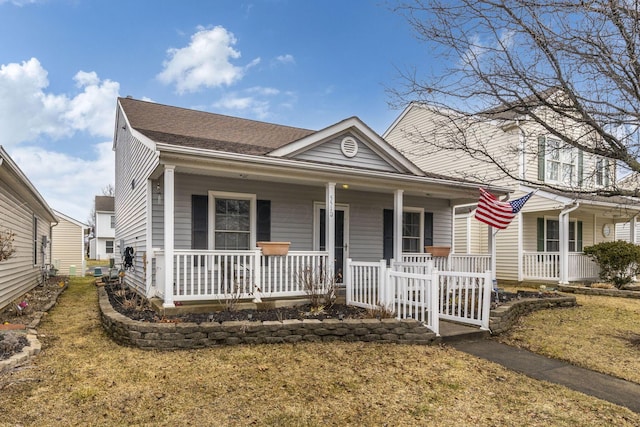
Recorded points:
197,194
102,245
67,247
25,214
546,238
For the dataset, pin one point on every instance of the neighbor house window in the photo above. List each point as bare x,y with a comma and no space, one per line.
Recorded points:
411,231
549,235
559,163
113,221
109,246
35,240
602,172
233,220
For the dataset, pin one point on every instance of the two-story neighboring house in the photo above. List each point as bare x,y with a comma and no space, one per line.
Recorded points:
546,238
102,246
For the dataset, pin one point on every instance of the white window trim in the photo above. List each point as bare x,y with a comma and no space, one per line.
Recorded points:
572,223
238,196
572,151
421,238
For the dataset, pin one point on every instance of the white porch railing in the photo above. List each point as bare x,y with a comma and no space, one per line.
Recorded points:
546,266
582,267
419,291
470,263
219,275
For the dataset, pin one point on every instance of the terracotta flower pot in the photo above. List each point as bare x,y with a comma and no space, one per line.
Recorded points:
274,248
442,251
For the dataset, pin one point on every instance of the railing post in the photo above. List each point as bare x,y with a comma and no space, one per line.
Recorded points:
486,299
347,282
434,298
384,284
257,272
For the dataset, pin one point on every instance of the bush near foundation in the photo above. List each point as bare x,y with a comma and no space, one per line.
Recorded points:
619,261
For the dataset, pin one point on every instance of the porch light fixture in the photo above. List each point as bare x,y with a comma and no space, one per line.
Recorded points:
345,186
159,192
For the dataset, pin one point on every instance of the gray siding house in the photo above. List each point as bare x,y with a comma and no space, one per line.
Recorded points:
197,194
27,215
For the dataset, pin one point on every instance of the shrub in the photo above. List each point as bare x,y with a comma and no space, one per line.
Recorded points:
6,244
619,261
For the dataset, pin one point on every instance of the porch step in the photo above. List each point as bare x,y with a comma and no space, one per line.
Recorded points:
456,332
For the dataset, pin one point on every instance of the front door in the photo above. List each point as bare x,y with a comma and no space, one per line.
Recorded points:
341,236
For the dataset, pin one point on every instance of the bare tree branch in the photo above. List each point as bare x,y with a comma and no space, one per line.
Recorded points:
572,67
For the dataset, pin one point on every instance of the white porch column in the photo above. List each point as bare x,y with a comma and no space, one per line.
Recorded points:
330,225
397,225
632,230
563,220
169,193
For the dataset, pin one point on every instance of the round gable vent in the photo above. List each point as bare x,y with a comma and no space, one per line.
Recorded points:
349,147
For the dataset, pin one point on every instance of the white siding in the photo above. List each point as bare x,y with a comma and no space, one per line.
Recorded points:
330,152
18,274
134,163
67,245
422,134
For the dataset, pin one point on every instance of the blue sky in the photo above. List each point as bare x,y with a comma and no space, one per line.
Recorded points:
301,63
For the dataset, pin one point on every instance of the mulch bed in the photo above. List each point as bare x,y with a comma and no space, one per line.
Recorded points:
129,304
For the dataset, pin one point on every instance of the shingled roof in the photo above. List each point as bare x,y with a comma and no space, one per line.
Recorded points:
199,129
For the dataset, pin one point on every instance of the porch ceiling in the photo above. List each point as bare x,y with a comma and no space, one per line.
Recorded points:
314,174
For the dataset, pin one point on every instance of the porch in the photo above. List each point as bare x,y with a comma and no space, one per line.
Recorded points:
547,266
421,287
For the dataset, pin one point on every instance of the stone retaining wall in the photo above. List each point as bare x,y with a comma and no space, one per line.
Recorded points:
597,291
504,316
171,336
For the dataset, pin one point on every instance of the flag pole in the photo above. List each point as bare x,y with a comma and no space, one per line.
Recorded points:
494,232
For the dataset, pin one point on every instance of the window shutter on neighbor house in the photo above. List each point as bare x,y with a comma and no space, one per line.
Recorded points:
540,235
580,168
541,155
579,237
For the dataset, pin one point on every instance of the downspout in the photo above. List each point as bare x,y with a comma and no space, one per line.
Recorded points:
564,242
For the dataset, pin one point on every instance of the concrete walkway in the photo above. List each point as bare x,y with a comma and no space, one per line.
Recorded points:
605,387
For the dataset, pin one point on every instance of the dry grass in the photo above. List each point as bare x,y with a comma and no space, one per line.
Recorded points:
83,378
601,334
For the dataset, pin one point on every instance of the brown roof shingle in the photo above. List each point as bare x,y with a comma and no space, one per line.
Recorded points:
105,203
199,129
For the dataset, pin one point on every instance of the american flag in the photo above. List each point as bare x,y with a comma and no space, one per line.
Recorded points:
496,213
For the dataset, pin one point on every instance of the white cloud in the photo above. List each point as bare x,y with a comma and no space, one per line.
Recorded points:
286,59
19,2
205,62
68,184
28,112
255,100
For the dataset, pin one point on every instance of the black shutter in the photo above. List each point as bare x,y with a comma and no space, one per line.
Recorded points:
263,222
540,236
199,221
579,237
541,157
428,229
387,234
